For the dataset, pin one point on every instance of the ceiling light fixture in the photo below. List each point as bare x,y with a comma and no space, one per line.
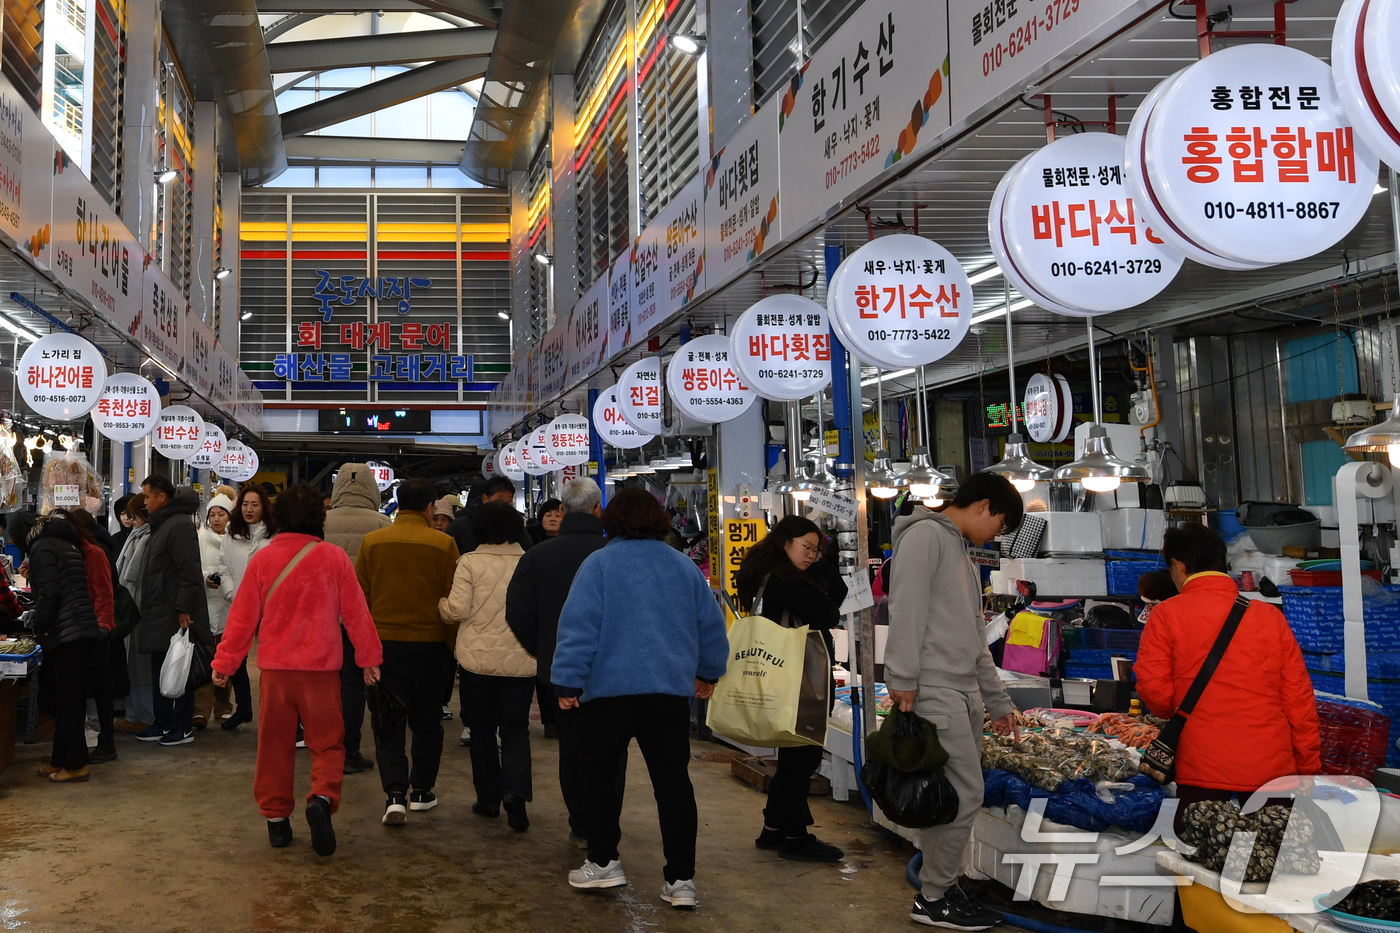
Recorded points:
166,176
897,374
688,44
983,275
221,273
1098,470
881,481
1379,438
995,313
17,330
503,315
246,316
544,259
1016,463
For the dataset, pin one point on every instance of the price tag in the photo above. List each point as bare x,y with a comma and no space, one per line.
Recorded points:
834,503
68,497
858,594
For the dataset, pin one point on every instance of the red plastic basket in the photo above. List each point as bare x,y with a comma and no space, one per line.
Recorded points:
1326,577
1354,740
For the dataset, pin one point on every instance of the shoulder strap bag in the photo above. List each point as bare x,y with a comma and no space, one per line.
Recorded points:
291,565
786,621
1159,759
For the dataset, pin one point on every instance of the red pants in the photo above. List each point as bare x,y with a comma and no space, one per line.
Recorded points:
284,698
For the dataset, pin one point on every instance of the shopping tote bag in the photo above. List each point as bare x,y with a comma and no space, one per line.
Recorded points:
175,672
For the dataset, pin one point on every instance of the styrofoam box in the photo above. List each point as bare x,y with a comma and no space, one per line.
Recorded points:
997,833
1133,529
1058,576
1071,533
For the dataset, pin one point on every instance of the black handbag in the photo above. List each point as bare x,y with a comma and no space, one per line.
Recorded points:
201,666
1159,759
387,711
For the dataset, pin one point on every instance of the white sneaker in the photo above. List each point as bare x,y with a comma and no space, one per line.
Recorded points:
466,737
592,876
680,895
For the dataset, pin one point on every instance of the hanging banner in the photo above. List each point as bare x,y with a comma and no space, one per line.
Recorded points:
93,253
1231,177
873,94
741,197
160,326
509,462
61,376
1048,408
703,383
639,395
26,177
903,300
1071,230
127,409
612,427
781,346
620,334
179,432
554,368
566,438
225,382
667,266
488,464
199,360
211,448
587,330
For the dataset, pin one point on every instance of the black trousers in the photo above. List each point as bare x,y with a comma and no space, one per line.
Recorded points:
242,688
549,705
414,671
99,687
573,742
661,726
787,808
352,696
175,715
499,705
70,672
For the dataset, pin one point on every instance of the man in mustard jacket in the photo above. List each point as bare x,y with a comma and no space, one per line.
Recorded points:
404,570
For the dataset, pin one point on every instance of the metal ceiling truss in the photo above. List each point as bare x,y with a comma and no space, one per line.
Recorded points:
398,48
477,11
428,79
330,150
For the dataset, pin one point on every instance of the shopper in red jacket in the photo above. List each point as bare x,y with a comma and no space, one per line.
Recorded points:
295,594
1257,719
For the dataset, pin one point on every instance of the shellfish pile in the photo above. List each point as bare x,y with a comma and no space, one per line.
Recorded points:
1283,840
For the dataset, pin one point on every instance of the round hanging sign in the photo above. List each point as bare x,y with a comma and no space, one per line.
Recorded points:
567,439
1229,177
1002,253
1049,408
1365,81
178,433
127,409
234,461
488,464
250,465
535,455
612,427
1377,57
1072,232
383,474
61,376
211,448
703,383
509,462
639,395
904,301
781,346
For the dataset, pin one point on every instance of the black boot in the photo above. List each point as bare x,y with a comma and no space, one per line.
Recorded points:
237,719
279,833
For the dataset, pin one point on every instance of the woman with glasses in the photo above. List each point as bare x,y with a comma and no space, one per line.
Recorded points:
786,573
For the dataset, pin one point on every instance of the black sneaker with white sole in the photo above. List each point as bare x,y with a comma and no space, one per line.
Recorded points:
956,910
396,810
422,800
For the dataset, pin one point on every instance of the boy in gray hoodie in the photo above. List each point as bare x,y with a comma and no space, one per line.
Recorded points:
937,665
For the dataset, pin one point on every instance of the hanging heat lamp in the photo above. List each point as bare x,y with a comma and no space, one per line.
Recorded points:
1016,463
881,482
1099,470
1379,438
922,479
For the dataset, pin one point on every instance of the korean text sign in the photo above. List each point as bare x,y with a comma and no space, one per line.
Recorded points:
741,197
703,383
667,268
127,409
587,332
61,376
781,346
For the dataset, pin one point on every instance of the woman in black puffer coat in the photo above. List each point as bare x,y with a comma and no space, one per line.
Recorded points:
67,626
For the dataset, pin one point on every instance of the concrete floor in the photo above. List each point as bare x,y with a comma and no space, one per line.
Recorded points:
169,839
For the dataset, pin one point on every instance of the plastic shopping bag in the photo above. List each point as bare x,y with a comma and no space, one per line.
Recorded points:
175,672
776,692
905,773
387,712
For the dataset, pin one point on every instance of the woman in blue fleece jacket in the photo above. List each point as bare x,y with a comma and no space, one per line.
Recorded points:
640,634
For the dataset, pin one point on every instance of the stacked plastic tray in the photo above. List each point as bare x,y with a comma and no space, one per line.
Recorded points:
1124,568
1315,615
1327,673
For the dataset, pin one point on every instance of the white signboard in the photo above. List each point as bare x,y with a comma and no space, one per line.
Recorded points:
199,359
509,462
1049,408
127,409
639,395
534,454
587,330
741,197
781,346
873,94
903,300
703,383
858,594
553,366
566,437
610,425
383,474
667,267
211,448
234,460
488,464
1071,229
834,503
61,376
93,253
67,497
1249,154
250,465
26,172
179,432
620,334
160,327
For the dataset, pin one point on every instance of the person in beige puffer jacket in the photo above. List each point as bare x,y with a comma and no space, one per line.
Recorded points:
498,675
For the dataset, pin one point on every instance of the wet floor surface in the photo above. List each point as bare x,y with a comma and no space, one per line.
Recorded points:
169,839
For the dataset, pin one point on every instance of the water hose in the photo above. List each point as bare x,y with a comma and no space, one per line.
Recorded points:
857,737
911,874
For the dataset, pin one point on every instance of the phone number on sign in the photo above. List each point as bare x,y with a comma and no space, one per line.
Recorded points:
909,335
61,398
1022,36
1272,210
712,400
1106,267
791,373
869,150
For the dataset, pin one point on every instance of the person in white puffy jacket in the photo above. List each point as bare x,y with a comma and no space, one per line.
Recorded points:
250,527
498,674
211,702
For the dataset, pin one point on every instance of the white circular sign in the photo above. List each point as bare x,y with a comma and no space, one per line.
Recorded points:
1365,82
127,409
612,427
567,439
234,463
639,395
1002,254
1073,233
1379,61
178,433
1048,408
250,464
904,301
535,456
509,462
703,383
211,448
488,464
61,376
1249,154
383,474
781,346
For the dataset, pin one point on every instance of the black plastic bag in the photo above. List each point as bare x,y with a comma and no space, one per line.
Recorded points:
201,666
901,776
388,713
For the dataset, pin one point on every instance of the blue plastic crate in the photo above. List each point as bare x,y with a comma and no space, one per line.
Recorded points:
1153,557
1123,575
1088,671
1315,615
1099,655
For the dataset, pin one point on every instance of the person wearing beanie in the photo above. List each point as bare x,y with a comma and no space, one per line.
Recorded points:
211,702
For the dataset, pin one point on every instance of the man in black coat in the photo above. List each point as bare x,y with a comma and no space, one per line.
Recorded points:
172,598
534,600
496,489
